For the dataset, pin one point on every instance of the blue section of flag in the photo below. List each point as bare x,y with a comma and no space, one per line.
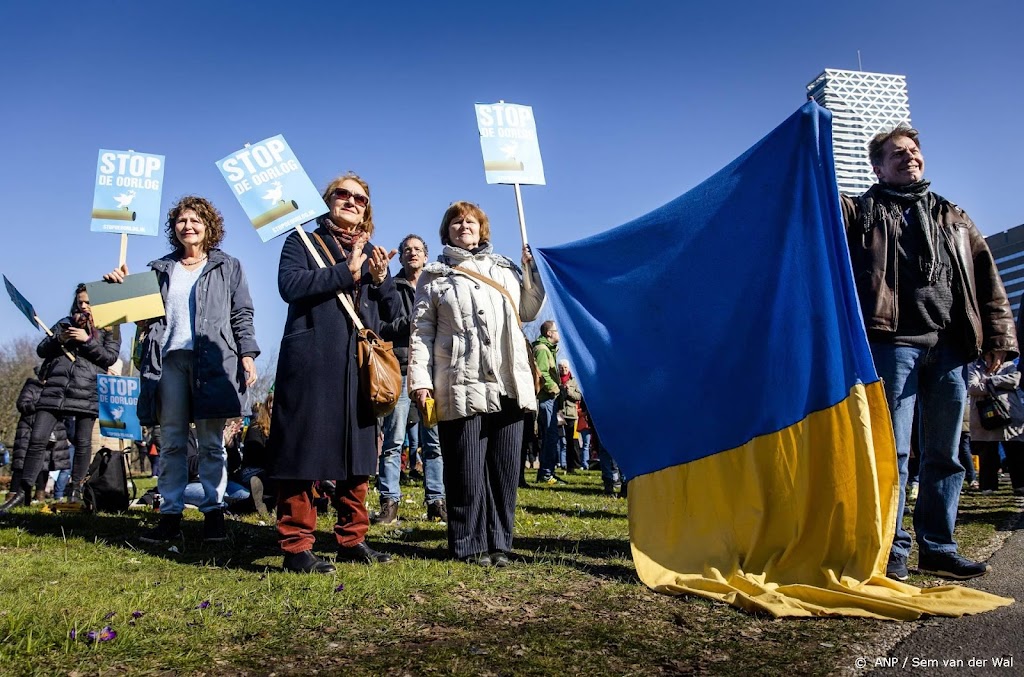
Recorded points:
726,314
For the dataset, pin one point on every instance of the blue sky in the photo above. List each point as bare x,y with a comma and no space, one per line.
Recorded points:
635,104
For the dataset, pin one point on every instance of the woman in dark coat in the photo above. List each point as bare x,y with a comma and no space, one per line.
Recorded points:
321,429
69,389
58,451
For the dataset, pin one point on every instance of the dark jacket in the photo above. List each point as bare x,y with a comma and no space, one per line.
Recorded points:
254,450
321,428
398,331
58,449
70,387
222,335
977,288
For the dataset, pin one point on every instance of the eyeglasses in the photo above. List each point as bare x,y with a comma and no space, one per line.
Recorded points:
357,198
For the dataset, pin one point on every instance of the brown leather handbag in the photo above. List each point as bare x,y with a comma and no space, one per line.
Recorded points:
380,375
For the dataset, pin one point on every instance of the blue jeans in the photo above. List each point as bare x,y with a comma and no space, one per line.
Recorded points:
61,483
194,492
585,448
390,466
609,468
175,397
932,381
547,431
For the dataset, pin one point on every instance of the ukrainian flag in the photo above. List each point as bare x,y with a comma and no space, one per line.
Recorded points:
720,347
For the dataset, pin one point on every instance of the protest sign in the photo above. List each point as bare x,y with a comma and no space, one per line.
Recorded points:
23,305
508,139
119,400
271,186
127,195
137,298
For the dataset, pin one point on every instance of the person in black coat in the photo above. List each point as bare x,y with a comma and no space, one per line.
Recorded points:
57,456
321,429
69,389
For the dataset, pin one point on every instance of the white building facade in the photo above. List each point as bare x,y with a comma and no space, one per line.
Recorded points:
862,104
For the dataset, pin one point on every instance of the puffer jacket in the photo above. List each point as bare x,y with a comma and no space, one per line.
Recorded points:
58,450
1006,383
977,287
222,335
70,387
466,344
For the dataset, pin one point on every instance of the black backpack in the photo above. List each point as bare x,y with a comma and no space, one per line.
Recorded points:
106,486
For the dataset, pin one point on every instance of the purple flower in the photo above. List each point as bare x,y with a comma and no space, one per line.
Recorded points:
138,614
203,604
226,614
90,636
110,615
107,634
73,635
341,587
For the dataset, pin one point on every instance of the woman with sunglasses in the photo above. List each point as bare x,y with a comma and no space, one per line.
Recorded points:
321,428
468,352
197,362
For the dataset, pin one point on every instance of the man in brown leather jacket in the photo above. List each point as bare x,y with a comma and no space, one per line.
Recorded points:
932,302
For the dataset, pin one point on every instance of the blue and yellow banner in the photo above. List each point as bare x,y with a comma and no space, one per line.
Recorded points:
719,344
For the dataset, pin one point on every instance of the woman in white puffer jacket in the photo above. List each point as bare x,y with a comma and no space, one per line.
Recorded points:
468,352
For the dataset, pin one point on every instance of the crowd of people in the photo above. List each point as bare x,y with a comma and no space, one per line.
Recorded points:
480,402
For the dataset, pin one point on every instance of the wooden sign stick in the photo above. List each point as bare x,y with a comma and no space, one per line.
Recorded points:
123,259
527,283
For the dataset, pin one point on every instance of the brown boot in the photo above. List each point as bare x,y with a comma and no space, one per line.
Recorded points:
388,512
40,496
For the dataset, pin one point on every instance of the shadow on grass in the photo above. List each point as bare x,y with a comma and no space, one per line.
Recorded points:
572,512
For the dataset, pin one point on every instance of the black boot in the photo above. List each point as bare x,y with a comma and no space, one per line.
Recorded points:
362,553
169,529
213,527
15,499
306,562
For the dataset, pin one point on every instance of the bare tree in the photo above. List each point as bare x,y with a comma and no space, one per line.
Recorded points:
17,359
266,367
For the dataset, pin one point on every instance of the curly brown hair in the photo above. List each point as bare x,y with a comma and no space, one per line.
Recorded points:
208,214
459,209
328,196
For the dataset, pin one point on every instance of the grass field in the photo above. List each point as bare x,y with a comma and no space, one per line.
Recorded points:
570,604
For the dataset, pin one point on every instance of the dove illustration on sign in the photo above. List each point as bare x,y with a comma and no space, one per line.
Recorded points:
125,199
274,194
509,149
117,413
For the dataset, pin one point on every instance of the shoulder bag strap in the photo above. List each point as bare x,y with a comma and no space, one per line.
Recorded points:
488,281
346,302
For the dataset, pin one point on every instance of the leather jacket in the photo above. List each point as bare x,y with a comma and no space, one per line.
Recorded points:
977,288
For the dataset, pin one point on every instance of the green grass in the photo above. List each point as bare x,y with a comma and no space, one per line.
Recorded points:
571,604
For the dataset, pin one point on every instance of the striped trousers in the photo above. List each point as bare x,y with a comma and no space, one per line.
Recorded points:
481,477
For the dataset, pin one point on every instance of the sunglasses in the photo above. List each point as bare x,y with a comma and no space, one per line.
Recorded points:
357,198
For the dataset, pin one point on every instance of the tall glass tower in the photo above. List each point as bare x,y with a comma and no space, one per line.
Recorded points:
862,104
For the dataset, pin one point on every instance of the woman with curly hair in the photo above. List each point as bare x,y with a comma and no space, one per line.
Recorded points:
197,361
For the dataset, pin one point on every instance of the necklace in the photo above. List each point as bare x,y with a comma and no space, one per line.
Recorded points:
196,262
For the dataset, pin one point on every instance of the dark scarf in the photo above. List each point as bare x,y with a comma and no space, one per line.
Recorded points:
346,240
919,200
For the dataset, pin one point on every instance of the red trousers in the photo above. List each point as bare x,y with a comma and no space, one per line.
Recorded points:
296,513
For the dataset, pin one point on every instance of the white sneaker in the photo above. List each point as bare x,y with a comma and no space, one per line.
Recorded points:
912,494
